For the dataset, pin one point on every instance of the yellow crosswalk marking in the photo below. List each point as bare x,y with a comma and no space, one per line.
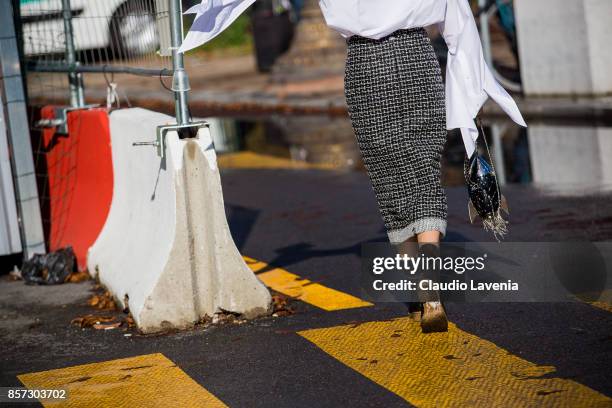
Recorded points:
293,285
454,369
252,160
148,380
604,302
602,305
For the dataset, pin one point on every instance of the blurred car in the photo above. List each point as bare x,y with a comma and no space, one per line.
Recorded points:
124,28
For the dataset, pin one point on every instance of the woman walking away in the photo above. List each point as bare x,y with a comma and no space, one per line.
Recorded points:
399,107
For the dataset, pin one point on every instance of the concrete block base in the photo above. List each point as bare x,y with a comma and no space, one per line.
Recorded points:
166,251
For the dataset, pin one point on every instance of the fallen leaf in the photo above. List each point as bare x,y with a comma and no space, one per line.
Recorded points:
280,306
104,301
90,320
129,321
76,277
110,326
279,302
282,313
15,274
222,318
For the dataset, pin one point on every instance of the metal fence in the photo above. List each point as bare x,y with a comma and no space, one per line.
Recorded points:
69,42
73,55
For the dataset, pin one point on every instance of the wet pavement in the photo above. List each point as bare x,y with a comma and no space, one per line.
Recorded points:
569,155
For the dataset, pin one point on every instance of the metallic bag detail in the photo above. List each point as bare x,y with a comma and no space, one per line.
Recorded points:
485,198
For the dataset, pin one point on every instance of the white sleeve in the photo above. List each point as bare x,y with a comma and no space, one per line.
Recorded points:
469,81
212,17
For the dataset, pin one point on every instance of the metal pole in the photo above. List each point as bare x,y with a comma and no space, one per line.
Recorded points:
14,114
498,153
36,66
75,79
485,37
180,81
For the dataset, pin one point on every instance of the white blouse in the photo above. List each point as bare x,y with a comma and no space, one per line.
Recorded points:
469,81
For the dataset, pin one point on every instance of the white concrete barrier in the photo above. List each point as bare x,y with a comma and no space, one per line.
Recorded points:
570,154
564,46
166,250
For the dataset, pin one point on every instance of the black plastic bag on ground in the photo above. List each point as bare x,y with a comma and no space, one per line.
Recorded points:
49,269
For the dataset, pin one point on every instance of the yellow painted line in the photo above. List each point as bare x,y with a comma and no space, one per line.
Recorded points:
454,369
143,381
307,291
604,302
604,299
602,305
252,160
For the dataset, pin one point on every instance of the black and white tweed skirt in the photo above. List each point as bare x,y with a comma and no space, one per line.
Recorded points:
396,103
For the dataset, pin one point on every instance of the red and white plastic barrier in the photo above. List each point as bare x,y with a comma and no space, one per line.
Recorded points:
77,186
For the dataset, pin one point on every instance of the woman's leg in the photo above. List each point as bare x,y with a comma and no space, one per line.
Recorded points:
432,237
424,97
410,247
434,317
430,311
396,104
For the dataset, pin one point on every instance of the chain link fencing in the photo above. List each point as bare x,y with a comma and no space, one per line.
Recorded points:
75,55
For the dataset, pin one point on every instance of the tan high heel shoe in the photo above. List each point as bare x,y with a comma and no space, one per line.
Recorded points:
433,318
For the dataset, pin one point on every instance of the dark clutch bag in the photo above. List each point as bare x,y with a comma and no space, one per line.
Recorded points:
485,198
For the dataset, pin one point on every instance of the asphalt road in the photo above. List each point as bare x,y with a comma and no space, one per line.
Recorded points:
312,223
